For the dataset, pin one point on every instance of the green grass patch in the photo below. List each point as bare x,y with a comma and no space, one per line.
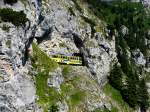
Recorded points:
47,96
41,86
77,97
116,96
66,71
147,76
42,60
73,95
66,89
114,109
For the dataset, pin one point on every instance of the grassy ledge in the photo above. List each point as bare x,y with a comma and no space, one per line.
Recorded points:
117,99
47,96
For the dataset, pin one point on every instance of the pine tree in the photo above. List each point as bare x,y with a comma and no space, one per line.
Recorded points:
115,77
143,96
130,94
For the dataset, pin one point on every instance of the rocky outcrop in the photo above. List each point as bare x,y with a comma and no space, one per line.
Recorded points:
55,79
138,57
69,35
17,89
66,33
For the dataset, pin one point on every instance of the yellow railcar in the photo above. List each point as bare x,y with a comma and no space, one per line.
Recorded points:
70,60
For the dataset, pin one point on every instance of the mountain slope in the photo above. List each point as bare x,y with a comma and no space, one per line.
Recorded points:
112,38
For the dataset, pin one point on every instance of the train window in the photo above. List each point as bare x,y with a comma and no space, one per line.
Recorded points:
55,56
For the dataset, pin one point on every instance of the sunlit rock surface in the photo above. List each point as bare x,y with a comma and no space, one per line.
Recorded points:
59,27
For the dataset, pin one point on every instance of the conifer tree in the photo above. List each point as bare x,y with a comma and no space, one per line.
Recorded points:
143,96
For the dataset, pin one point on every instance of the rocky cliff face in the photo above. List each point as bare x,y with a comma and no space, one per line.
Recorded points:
64,27
16,86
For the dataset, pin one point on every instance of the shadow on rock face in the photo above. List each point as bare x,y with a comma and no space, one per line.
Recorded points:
45,36
4,109
26,55
39,2
77,40
40,19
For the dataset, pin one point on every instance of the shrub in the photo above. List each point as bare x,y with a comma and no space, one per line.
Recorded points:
5,28
16,18
115,78
53,108
11,2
